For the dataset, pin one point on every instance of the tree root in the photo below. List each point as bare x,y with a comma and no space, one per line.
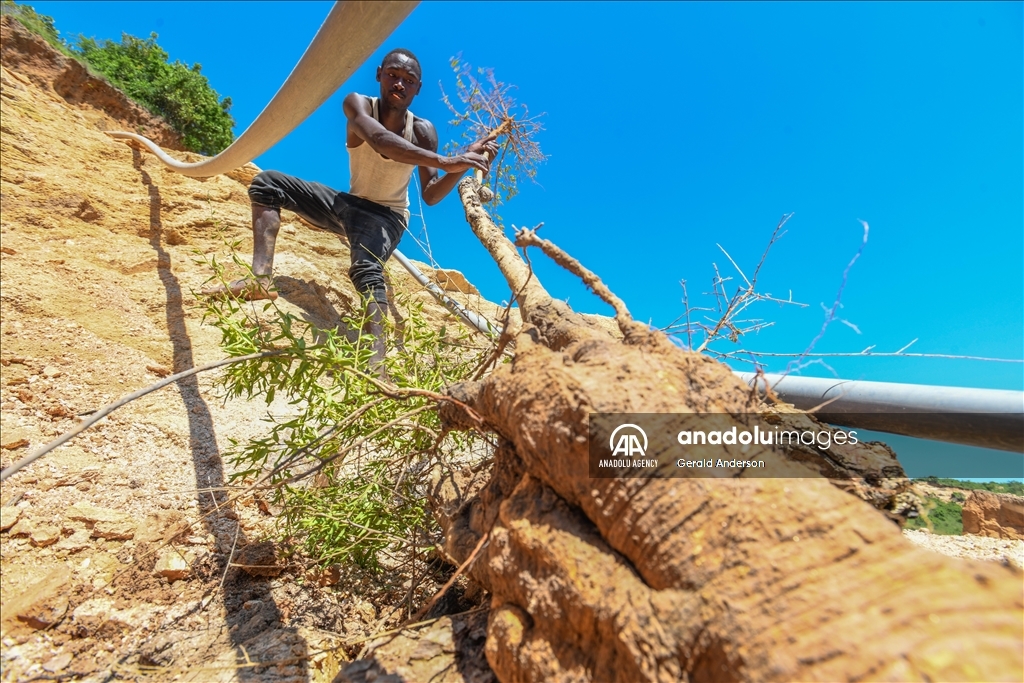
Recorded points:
743,579
527,237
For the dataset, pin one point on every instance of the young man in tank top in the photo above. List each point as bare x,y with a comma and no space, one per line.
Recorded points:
385,143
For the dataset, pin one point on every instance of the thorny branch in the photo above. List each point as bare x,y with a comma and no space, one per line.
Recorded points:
728,322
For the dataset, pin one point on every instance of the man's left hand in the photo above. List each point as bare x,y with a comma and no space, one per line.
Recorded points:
486,146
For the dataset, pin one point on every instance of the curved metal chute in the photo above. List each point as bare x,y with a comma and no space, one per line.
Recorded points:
348,36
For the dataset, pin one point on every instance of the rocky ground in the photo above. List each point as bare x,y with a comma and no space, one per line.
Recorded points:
1004,550
121,553
1001,550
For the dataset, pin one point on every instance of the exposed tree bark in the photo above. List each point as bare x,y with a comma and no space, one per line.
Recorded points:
690,579
552,319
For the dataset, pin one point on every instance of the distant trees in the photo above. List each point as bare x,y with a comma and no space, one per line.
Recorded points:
141,68
175,91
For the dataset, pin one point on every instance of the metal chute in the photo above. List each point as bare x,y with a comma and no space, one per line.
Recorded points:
348,36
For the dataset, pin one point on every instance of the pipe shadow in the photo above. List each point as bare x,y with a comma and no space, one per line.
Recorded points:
252,616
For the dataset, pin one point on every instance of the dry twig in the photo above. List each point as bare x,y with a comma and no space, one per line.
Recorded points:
527,237
106,410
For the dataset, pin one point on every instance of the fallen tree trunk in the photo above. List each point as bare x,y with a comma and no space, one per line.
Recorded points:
654,579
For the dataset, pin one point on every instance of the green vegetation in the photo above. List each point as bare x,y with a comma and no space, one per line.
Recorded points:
178,93
487,109
40,24
140,68
1014,487
940,518
349,465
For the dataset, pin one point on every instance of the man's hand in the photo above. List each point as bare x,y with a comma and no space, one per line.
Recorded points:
486,146
463,162
477,157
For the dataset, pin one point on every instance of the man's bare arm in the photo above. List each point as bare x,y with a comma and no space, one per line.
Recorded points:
398,148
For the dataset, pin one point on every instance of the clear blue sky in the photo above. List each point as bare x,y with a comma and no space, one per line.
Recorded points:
671,127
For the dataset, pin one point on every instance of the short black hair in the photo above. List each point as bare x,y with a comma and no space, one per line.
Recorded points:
406,53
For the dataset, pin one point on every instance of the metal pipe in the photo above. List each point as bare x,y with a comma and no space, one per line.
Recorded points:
474,319
990,418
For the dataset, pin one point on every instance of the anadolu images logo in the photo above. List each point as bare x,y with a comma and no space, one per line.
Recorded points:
628,444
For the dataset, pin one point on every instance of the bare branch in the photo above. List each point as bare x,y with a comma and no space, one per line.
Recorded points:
831,314
738,270
866,354
106,410
908,345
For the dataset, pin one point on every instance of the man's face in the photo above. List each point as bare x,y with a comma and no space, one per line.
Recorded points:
399,78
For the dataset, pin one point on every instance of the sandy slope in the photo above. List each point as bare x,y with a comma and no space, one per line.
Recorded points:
102,252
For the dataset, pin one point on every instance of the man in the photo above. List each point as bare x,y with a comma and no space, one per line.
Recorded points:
385,142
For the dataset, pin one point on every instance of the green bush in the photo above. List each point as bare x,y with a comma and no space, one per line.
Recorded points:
1014,487
350,465
177,92
940,518
40,24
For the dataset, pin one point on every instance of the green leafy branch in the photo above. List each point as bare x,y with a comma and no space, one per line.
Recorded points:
348,465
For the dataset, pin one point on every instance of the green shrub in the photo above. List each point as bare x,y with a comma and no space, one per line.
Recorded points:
349,466
39,24
1014,487
178,93
940,518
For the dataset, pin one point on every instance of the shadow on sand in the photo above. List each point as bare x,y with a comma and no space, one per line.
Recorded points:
252,617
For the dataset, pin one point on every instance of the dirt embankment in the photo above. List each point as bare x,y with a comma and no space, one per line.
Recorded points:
998,515
106,107
115,546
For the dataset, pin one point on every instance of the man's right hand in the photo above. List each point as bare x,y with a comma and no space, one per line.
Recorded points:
463,162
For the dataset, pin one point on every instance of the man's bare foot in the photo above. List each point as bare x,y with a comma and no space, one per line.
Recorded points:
247,289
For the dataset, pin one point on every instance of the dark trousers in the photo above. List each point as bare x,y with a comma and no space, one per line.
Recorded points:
373,230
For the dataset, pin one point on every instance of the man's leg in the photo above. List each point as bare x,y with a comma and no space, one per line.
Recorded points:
375,313
373,234
266,223
269,192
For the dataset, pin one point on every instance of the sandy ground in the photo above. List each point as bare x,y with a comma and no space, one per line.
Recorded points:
102,251
977,547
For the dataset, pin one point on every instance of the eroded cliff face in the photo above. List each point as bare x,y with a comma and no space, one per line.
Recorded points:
998,515
105,107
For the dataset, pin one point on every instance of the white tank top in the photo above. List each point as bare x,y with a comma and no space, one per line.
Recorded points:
381,180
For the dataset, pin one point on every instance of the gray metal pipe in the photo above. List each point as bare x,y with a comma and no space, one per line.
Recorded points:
474,319
990,418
